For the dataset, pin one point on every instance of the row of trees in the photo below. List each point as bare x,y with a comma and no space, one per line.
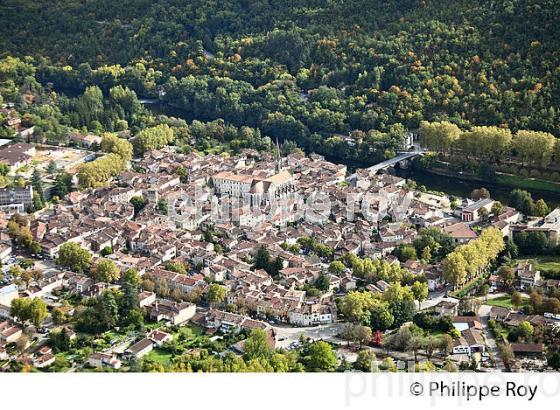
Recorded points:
491,144
96,173
372,270
469,260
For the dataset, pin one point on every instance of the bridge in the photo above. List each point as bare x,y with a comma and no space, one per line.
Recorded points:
403,156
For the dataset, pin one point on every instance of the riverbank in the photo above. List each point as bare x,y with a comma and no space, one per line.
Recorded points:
461,184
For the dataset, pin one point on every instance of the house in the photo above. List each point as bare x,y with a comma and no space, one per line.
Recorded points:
447,308
471,341
499,314
16,199
159,337
534,350
146,298
84,140
527,277
17,155
140,348
310,314
460,233
44,360
99,360
7,294
5,251
472,213
9,333
170,311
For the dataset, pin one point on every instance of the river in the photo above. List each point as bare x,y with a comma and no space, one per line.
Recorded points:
463,188
450,185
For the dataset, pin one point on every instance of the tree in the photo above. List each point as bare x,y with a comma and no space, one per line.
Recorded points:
256,345
366,361
59,316
262,259
132,277
322,282
446,344
153,138
37,182
355,306
534,147
97,173
389,364
60,340
25,309
497,208
480,193
506,353
455,269
72,256
216,294
52,168
553,360
401,341
381,318
522,201
348,333
319,357
438,136
363,335
541,208
105,270
406,252
507,276
516,299
420,291
138,202
62,184
449,367
525,330
178,267
336,267
115,145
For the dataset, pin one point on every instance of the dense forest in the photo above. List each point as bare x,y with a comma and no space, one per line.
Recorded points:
311,71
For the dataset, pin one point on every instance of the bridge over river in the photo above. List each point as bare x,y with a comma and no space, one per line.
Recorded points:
403,156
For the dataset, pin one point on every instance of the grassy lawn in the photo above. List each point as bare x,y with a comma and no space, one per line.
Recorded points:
160,356
504,301
547,263
527,183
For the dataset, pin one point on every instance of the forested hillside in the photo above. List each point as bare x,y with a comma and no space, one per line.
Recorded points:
307,70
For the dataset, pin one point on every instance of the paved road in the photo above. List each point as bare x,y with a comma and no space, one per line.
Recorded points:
484,312
287,335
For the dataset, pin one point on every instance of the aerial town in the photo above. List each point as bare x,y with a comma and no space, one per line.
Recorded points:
193,262
346,186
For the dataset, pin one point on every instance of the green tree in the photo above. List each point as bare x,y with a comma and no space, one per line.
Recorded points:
216,294
37,182
336,267
420,291
256,345
72,256
319,357
153,138
516,299
105,270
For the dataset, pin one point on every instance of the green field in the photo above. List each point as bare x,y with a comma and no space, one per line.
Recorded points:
547,263
504,301
160,356
527,183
